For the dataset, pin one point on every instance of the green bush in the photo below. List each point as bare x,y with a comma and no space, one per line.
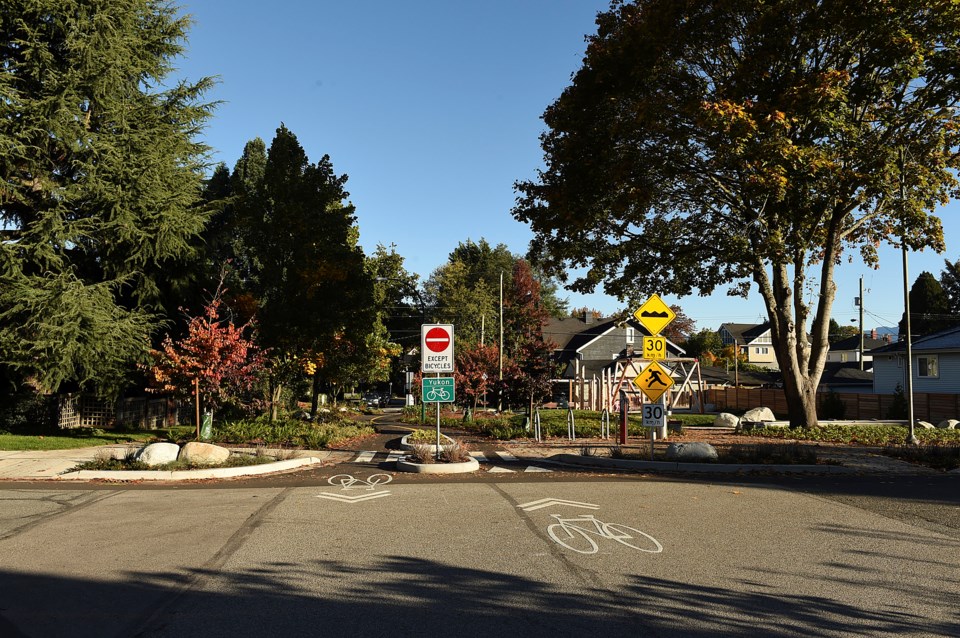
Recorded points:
874,435
832,406
900,408
288,432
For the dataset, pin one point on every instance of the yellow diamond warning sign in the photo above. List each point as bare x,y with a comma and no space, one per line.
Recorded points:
654,315
654,381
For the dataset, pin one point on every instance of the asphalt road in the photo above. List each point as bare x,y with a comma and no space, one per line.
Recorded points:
417,556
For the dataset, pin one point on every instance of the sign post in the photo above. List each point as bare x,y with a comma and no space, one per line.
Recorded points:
654,418
654,380
438,390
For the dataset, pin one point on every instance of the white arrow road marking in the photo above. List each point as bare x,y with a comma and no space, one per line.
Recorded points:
497,468
365,457
537,469
550,502
506,456
481,458
343,498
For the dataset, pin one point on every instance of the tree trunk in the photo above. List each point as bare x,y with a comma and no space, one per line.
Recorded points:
276,394
315,398
801,363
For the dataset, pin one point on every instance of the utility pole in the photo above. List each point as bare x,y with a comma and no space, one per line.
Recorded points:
500,363
861,321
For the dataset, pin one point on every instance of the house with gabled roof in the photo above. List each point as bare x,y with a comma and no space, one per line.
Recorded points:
751,339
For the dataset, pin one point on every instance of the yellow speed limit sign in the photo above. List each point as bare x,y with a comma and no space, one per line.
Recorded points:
654,348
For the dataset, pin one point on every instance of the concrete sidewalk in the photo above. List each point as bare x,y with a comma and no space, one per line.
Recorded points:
46,465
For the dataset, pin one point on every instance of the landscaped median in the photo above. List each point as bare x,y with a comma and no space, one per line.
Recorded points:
426,458
191,475
164,461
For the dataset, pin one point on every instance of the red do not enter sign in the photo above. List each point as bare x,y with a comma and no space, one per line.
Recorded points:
437,339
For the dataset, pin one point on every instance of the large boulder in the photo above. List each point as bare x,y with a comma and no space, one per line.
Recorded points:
757,415
159,453
948,424
695,451
203,453
725,420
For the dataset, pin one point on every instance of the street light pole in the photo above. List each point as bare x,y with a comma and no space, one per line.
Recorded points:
911,436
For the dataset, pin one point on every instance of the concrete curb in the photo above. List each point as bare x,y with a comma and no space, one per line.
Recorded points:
189,475
714,468
439,468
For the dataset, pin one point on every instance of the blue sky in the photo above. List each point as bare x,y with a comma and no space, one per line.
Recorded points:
432,107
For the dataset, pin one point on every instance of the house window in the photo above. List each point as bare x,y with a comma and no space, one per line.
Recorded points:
927,367
629,335
843,356
763,350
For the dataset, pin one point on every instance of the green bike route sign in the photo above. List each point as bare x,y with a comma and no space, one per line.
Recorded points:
438,390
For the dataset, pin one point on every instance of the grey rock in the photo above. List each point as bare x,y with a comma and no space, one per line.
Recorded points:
948,424
203,453
696,451
725,420
159,453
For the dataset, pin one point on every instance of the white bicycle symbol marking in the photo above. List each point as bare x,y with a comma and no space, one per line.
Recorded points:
576,535
437,394
348,482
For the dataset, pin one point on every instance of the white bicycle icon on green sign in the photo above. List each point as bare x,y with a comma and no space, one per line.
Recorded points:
576,534
438,394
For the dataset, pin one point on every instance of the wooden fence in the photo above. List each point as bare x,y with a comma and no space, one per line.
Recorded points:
926,407
147,413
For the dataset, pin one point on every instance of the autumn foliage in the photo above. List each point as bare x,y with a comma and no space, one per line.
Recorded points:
215,352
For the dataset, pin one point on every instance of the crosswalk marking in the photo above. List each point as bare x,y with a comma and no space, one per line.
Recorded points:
489,458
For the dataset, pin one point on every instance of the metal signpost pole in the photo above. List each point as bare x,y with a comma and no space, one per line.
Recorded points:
623,417
438,424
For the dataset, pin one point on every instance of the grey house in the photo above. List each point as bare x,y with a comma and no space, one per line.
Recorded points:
936,364
591,351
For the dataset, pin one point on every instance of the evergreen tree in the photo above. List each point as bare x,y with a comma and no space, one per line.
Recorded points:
292,243
929,308
100,177
950,282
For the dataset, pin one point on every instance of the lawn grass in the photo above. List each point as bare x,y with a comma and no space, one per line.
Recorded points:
83,437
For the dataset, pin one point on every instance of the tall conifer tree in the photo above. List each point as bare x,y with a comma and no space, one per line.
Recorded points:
99,181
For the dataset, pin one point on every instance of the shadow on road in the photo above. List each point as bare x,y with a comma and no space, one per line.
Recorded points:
402,596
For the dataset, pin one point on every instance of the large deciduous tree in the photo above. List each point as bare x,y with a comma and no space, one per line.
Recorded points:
100,177
707,143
